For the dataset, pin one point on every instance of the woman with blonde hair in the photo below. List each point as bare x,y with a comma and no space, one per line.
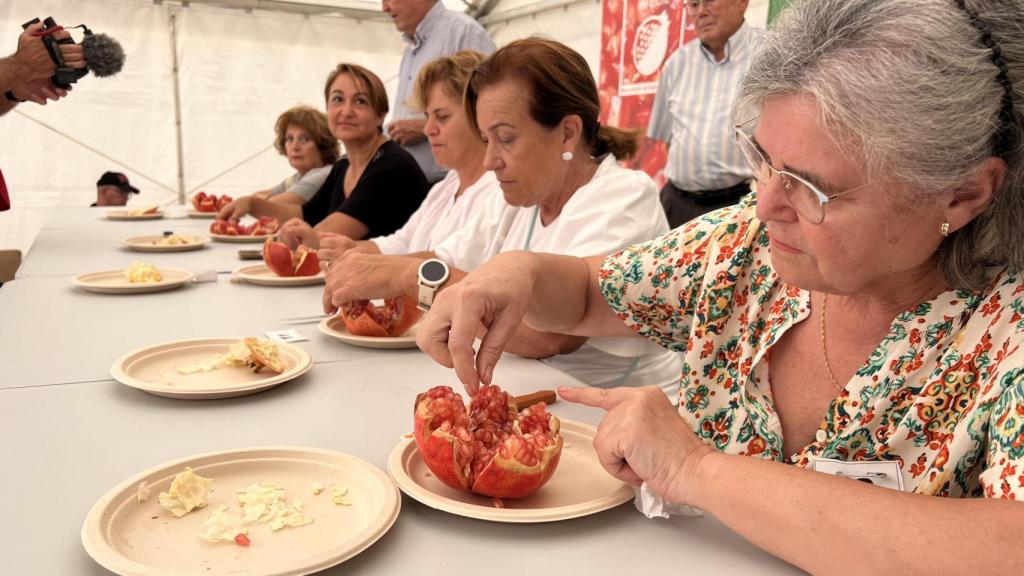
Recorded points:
456,146
535,102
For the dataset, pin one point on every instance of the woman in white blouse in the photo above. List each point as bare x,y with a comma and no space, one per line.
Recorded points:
456,145
563,192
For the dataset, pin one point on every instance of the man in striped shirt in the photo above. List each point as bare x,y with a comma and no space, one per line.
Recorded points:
430,31
692,112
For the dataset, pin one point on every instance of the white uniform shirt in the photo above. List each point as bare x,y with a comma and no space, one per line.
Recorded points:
617,208
692,111
440,215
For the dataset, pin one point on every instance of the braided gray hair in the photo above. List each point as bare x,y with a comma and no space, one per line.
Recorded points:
925,90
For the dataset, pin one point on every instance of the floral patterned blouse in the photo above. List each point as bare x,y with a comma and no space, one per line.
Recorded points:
942,394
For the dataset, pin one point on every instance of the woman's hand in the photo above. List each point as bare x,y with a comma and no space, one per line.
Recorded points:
235,209
360,276
495,296
295,232
643,438
334,246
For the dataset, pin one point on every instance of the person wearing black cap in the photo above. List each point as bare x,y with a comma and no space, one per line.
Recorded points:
112,189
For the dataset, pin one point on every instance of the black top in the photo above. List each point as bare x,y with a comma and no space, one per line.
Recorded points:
389,191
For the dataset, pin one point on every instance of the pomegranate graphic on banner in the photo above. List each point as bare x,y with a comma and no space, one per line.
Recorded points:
637,37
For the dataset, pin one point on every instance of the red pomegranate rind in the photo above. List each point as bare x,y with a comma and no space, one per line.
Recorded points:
278,258
306,262
406,312
502,456
363,318
442,436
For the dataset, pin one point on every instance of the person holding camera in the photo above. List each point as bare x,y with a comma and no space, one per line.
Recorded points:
27,74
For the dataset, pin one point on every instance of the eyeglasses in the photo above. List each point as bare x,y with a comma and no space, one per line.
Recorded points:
695,4
803,196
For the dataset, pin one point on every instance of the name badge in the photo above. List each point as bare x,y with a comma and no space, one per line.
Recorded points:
885,474
286,335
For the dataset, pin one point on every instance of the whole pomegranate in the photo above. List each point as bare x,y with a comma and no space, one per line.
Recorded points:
488,449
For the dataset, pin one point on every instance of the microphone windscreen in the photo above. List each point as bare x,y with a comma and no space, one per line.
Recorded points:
103,55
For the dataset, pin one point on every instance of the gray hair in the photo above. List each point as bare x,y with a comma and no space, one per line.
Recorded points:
910,86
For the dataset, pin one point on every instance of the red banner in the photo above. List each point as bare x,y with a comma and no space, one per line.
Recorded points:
637,37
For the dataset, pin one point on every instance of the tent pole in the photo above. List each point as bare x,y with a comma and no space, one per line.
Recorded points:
177,105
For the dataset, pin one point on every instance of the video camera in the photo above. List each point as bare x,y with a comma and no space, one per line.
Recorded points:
103,55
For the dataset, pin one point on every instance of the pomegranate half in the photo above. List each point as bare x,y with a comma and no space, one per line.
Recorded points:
488,449
394,318
284,262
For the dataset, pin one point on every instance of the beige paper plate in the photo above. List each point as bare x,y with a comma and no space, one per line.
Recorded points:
127,215
142,539
579,487
261,274
198,214
334,327
154,370
239,239
114,282
149,244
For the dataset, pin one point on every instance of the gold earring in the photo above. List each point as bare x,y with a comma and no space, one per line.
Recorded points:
944,229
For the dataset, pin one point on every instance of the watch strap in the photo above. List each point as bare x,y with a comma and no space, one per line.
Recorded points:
426,297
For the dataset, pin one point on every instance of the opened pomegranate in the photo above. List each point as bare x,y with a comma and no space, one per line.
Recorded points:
262,227
204,202
394,318
488,450
284,262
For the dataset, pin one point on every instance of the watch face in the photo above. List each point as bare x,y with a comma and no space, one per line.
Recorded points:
433,271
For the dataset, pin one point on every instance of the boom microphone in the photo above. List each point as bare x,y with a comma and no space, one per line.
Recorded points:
103,55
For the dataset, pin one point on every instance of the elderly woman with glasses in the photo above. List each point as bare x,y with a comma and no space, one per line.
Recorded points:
852,397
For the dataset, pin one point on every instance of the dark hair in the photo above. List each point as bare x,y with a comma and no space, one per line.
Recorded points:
558,84
314,122
375,90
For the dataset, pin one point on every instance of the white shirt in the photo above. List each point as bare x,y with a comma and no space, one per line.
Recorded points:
440,215
617,208
692,111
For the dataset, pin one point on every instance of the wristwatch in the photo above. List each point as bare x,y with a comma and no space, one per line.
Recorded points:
433,273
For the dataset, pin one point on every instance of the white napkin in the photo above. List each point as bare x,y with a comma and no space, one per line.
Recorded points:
205,276
653,506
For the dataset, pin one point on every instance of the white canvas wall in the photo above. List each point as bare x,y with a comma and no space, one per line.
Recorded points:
238,71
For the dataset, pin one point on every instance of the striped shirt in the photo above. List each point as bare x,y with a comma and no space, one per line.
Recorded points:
692,111
440,33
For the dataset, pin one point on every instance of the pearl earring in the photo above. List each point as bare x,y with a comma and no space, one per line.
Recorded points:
944,229
567,156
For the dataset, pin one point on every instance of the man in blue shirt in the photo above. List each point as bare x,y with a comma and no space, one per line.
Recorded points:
692,111
430,31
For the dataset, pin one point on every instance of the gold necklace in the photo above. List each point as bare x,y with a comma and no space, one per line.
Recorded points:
824,350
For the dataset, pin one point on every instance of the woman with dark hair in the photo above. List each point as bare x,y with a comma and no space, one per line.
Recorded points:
371,191
852,393
563,191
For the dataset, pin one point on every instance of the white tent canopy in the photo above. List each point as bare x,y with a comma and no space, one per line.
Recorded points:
239,64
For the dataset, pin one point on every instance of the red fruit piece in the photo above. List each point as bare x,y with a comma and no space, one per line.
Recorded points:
488,449
394,318
284,262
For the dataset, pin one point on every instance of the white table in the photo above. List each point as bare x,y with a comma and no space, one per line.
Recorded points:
70,433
